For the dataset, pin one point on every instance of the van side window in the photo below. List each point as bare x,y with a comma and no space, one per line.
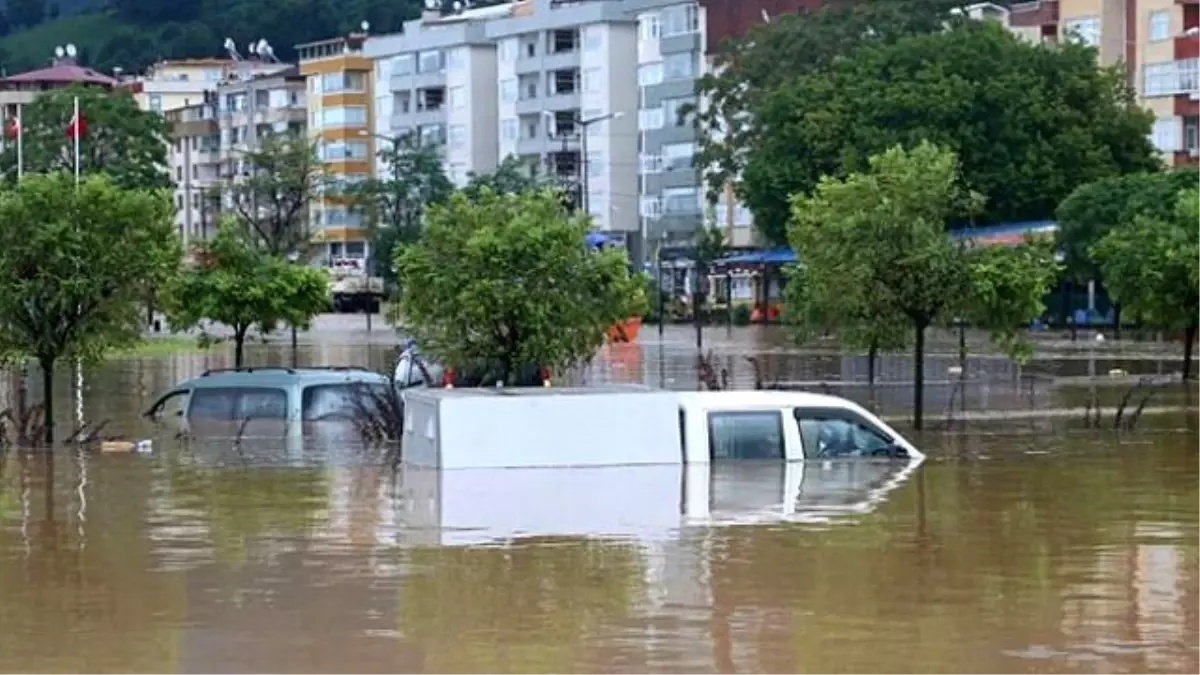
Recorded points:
832,433
340,401
745,435
238,403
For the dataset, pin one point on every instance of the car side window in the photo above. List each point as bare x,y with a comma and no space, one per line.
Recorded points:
745,435
238,403
339,401
826,434
169,406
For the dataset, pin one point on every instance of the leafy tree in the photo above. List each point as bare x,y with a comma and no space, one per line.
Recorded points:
874,247
508,279
74,263
119,139
394,204
710,247
1006,287
512,176
1152,265
274,198
1029,123
240,285
748,68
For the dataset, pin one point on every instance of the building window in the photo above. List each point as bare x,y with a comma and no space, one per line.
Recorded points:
650,74
678,156
680,66
1160,26
1191,134
458,97
508,90
155,102
673,111
1085,31
681,201
680,20
456,58
650,163
332,83
405,64
1170,78
343,116
591,79
650,119
508,50
337,151
508,129
457,135
648,26
429,61
1165,135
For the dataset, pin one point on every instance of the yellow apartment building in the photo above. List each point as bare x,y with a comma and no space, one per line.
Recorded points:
340,103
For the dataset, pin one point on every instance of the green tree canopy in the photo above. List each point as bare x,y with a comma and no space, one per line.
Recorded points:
120,139
1029,123
237,284
395,202
874,248
74,266
1152,266
750,67
273,200
508,279
512,176
1094,209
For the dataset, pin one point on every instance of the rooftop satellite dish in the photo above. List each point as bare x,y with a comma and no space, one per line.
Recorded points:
250,49
59,52
458,6
365,26
431,5
261,47
71,51
766,17
228,44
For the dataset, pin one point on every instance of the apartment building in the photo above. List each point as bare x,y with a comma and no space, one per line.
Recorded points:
437,79
1157,42
339,79
210,138
174,84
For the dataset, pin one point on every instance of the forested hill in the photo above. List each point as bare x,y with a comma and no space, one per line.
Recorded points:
132,34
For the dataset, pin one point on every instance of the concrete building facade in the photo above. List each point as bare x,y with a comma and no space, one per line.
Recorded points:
341,114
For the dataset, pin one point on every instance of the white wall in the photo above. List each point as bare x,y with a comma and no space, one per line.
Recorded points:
473,68
506,54
613,184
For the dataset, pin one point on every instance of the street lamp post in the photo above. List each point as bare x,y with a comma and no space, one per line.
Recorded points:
582,167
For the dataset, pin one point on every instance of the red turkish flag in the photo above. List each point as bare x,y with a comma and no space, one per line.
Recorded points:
77,126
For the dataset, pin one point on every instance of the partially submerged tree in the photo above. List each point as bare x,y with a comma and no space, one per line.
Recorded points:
74,266
1029,123
119,138
875,245
508,279
1152,266
709,247
239,285
273,198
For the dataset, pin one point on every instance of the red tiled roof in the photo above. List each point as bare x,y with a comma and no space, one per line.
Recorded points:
65,74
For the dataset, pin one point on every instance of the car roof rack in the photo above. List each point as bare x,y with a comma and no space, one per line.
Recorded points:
286,369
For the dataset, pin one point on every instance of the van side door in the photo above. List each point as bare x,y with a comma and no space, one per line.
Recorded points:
835,432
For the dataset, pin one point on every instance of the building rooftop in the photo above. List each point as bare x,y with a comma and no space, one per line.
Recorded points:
63,72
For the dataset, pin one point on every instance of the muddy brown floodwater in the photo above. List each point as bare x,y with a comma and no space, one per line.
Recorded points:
1016,547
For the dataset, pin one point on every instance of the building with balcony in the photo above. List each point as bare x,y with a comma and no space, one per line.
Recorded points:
209,139
437,79
340,120
169,85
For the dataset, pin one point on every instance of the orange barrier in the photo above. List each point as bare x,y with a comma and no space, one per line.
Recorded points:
625,331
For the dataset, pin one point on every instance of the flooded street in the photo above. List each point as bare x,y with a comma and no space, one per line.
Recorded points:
1037,546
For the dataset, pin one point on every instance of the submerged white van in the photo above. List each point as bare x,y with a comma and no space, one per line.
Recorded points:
536,427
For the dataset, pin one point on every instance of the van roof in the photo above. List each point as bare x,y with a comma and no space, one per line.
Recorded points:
279,376
759,398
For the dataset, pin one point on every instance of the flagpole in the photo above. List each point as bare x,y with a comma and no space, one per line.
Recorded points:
20,148
76,122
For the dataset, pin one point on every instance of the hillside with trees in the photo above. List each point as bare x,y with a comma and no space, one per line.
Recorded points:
132,34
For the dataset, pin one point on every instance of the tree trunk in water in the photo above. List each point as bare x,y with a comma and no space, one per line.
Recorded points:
1116,320
1189,337
47,365
697,303
239,343
295,349
919,377
872,354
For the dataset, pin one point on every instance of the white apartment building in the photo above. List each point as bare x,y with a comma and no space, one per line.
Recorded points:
552,83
